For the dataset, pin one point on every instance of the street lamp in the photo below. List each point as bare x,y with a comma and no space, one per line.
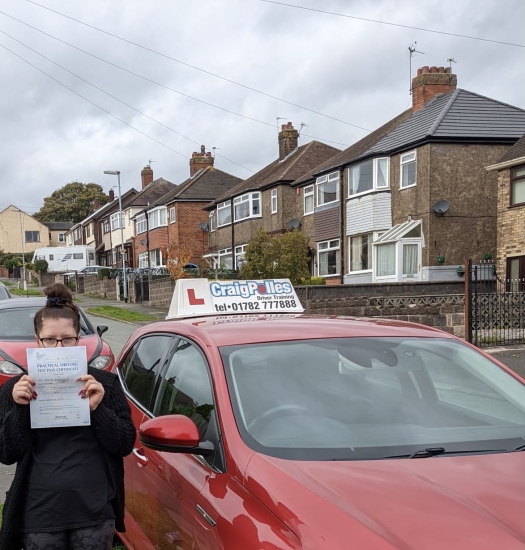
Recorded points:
22,245
122,252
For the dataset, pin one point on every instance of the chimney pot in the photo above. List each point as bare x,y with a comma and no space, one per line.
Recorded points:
96,204
200,160
146,175
425,69
419,71
441,69
430,82
288,140
433,69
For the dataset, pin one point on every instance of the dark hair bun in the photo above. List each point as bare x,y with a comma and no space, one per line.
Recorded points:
59,290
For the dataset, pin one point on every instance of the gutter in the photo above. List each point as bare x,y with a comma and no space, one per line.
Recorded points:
506,164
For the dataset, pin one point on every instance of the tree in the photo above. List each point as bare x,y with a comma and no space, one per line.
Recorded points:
285,256
72,202
41,266
177,258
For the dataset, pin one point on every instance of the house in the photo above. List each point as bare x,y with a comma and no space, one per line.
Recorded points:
57,232
510,248
416,198
265,200
20,232
183,220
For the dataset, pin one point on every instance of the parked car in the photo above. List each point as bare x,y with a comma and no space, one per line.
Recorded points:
17,334
278,430
4,292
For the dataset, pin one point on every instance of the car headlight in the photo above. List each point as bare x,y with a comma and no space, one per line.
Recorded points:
100,362
6,367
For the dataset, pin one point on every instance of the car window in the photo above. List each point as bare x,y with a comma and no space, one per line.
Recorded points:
4,295
139,373
186,387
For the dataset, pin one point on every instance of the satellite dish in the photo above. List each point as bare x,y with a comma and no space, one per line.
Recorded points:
294,224
203,226
440,207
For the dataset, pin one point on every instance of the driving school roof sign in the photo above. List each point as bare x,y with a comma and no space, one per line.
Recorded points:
196,297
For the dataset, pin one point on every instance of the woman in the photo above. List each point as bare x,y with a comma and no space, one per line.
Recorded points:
68,489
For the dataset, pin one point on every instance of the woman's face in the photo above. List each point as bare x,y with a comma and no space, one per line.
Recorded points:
57,332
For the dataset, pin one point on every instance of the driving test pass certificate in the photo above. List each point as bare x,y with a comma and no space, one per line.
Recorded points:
55,372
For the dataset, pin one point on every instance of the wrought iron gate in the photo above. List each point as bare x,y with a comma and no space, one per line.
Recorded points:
141,282
495,307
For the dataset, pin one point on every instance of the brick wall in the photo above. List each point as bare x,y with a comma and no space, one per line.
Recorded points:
186,230
106,288
151,240
161,292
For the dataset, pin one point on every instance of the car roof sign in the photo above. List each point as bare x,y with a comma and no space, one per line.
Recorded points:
201,297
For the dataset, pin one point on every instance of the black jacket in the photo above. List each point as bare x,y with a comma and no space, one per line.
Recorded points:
113,427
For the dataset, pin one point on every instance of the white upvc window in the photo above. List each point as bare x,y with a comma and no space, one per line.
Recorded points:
224,258
115,221
142,224
327,188
274,201
328,257
360,252
308,200
239,255
143,260
368,176
155,258
173,219
157,217
212,223
408,170
224,213
247,206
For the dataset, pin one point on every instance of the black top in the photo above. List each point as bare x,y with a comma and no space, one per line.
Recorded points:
68,486
110,422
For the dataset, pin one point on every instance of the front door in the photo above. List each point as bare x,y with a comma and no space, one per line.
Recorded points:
516,274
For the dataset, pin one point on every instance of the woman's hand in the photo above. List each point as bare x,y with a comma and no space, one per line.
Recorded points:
93,390
23,390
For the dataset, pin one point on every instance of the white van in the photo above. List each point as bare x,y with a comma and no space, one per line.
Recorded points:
66,258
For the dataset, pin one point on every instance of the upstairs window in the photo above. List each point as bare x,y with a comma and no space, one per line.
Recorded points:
517,185
213,221
157,218
32,236
88,230
247,206
142,224
173,219
274,201
368,176
308,200
327,188
115,221
224,213
61,238
105,225
408,170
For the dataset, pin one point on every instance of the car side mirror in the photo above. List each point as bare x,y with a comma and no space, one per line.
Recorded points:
174,433
101,329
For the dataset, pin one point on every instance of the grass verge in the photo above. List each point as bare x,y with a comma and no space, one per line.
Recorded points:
28,292
120,314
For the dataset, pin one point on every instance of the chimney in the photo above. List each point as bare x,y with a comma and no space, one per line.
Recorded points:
146,175
430,82
111,195
96,204
200,160
288,140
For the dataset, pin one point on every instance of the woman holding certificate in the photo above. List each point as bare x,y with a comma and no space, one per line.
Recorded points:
68,489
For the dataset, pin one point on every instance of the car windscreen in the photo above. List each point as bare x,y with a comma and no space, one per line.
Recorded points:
371,398
4,294
17,324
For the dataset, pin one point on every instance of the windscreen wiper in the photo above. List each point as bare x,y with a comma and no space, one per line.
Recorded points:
437,451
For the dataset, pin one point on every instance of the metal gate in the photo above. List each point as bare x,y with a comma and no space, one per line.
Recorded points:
141,282
495,307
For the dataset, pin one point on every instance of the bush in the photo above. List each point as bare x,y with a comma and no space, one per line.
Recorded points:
104,273
11,263
35,281
71,285
41,266
313,281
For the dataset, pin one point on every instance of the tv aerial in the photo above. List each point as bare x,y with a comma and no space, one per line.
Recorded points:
411,51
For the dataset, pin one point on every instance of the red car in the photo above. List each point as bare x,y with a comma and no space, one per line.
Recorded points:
17,334
283,431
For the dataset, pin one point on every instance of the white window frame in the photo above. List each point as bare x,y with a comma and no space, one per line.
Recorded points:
212,221
114,221
155,255
308,192
375,172
173,217
220,207
250,198
321,181
322,249
141,224
158,217
402,163
274,201
225,252
143,260
239,255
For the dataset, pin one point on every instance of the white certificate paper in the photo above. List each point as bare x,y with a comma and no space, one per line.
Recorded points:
55,372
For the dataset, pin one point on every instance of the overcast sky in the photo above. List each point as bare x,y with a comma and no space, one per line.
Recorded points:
352,70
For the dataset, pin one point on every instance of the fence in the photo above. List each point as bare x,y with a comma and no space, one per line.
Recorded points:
495,306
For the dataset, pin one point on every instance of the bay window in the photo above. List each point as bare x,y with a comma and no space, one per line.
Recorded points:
327,188
155,258
408,170
115,220
141,224
143,260
173,219
224,213
239,256
328,257
361,252
247,206
368,176
157,217
224,258
308,200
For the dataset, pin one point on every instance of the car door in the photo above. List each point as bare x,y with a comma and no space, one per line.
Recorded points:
139,373
185,388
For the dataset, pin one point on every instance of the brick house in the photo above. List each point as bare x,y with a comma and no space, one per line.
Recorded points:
412,190
184,220
265,200
510,249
